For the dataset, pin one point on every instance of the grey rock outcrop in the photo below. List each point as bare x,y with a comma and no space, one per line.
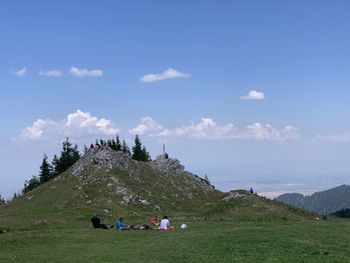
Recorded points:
173,167
103,157
99,164
168,166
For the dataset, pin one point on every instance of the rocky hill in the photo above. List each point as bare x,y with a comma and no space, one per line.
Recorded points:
323,202
113,184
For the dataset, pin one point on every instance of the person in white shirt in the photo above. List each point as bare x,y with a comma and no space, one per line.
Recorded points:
164,223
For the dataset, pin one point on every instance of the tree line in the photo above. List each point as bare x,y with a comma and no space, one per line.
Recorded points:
70,155
47,171
138,151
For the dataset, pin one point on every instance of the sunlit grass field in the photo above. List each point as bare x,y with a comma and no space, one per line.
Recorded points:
205,241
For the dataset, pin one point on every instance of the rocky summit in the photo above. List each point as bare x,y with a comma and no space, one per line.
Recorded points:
113,184
163,184
168,170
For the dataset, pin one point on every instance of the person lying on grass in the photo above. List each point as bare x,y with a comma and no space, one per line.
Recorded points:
96,222
165,224
120,226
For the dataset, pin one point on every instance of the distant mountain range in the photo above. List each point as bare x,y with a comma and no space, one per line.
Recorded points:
324,202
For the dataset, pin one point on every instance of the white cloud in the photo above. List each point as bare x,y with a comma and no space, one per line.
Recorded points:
20,73
169,73
77,124
207,128
40,129
253,95
267,132
340,137
147,126
76,72
50,73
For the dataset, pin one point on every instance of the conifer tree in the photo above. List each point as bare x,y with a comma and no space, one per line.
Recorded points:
118,146
137,153
54,164
146,155
125,148
75,155
45,170
110,144
31,184
69,155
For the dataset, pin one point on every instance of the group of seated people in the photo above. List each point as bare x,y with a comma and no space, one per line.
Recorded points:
99,144
119,225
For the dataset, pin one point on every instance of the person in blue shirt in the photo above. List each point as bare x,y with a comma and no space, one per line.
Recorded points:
120,226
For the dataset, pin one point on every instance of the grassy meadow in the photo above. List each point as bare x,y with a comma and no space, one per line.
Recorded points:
204,241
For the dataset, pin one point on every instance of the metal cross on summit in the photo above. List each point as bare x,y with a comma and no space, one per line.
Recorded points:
165,155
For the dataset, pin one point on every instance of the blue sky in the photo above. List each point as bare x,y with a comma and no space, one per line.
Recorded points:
252,93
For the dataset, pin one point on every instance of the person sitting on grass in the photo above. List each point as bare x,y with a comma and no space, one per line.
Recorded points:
96,222
165,224
120,226
154,221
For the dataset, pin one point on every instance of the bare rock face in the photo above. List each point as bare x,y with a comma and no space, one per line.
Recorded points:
173,167
233,195
168,166
102,157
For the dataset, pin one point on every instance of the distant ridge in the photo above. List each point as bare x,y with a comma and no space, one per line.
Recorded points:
324,202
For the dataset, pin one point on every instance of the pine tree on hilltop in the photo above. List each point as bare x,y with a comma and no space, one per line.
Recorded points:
118,146
112,144
54,164
125,148
45,170
137,153
31,184
140,152
69,156
146,155
75,155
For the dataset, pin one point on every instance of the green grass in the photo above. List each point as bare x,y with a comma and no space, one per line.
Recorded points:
205,241
66,200
51,223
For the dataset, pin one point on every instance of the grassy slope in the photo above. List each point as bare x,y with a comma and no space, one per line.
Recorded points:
208,241
50,224
66,200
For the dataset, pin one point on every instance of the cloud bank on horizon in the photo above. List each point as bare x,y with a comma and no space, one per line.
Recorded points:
207,128
337,138
81,124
